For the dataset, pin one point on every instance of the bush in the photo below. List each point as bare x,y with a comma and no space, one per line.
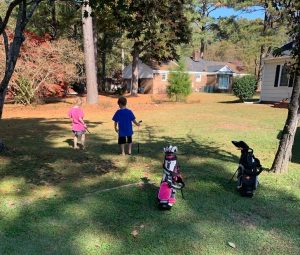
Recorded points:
23,91
244,87
180,85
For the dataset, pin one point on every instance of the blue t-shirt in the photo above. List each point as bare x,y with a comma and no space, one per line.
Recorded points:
124,117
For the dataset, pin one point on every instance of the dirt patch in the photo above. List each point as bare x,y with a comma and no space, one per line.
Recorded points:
247,221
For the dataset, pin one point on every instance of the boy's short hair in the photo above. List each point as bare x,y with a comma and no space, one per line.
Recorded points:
122,101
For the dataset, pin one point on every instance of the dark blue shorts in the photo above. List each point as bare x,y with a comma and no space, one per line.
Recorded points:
124,139
78,133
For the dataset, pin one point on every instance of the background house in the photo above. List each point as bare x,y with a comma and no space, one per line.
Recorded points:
208,76
277,82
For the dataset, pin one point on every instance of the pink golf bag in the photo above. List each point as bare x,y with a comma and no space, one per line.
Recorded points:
171,180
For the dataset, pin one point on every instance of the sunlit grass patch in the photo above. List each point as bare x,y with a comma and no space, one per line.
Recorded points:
56,200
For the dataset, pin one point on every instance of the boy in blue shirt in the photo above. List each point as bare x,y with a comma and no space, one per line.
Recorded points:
123,119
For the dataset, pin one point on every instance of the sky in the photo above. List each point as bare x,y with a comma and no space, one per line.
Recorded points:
225,12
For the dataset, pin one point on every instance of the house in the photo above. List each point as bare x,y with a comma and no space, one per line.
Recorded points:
208,76
277,82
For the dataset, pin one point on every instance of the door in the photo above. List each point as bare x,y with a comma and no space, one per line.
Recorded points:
223,81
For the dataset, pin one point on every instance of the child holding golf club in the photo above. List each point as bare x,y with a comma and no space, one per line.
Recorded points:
123,119
78,126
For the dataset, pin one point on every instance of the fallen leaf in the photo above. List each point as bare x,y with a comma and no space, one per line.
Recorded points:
232,245
134,233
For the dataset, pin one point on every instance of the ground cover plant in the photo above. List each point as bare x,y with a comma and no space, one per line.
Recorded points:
56,200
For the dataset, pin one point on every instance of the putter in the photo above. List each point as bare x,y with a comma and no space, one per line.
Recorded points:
233,175
139,136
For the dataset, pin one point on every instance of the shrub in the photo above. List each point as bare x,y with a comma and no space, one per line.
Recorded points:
23,91
244,87
180,85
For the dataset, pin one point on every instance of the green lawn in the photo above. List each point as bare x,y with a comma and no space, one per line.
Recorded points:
54,200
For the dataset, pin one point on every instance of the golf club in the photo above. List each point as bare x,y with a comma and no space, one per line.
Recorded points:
233,175
139,136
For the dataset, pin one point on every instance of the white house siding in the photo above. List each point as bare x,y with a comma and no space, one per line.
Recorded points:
269,93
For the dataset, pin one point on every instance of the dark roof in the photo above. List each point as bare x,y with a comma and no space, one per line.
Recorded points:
214,68
288,46
197,66
284,50
203,65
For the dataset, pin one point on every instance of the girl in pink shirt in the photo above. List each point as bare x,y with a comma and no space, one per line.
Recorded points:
78,125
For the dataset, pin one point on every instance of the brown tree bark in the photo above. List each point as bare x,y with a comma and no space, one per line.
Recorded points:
89,55
264,50
103,61
284,151
202,48
135,71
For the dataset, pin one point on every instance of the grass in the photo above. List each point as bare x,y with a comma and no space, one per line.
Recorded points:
53,200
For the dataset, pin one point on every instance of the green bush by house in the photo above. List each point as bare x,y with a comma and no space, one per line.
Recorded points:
244,87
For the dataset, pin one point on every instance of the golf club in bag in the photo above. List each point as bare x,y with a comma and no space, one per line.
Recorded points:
248,170
171,180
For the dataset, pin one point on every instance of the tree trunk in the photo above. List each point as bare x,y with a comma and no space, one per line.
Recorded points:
202,48
103,61
264,50
89,55
284,151
53,19
135,71
122,59
96,49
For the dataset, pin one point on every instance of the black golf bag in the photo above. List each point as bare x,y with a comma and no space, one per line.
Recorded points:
171,180
248,170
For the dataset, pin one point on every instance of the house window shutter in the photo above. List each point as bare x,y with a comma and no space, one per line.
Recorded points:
277,75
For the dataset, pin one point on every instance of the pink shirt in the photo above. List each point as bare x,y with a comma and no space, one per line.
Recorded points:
75,114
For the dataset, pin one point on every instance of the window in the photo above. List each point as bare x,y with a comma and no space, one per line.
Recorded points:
283,77
164,76
198,77
284,80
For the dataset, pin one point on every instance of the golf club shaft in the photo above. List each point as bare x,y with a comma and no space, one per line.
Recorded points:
233,175
139,136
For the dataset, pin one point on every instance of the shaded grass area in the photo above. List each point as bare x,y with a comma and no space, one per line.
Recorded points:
51,199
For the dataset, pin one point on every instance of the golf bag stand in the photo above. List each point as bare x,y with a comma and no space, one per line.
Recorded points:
248,170
171,180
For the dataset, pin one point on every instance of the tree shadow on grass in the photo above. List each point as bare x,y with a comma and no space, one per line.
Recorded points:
81,219
237,101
